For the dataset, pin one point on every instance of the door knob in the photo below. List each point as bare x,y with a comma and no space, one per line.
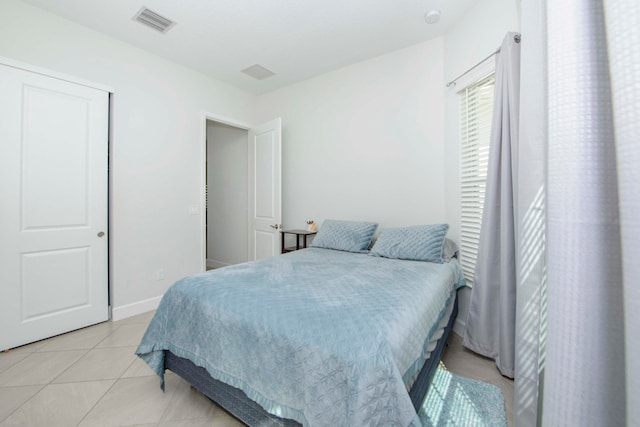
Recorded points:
275,226
100,234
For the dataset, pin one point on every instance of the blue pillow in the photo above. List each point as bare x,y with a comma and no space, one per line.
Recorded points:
417,243
349,236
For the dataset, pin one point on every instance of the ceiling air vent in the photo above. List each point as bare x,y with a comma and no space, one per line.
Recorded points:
153,20
258,72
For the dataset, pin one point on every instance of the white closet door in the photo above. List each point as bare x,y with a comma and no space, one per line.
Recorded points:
53,206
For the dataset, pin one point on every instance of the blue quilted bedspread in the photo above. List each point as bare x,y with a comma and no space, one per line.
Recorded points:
323,337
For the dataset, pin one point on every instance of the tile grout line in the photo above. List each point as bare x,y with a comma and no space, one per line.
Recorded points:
85,353
51,381
42,386
97,401
114,382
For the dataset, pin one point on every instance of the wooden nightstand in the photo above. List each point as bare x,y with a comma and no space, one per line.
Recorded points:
299,234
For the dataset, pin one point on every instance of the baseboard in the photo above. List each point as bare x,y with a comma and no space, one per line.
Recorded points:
128,310
212,263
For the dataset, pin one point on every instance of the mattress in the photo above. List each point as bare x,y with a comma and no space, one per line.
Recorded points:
319,336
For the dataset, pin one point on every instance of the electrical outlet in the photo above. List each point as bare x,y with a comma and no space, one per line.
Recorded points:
160,274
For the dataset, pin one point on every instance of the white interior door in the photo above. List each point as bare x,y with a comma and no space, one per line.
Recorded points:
265,189
53,198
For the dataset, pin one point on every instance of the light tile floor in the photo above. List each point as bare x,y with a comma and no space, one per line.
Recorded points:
91,377
466,363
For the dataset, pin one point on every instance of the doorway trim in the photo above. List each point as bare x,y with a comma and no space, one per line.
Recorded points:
203,174
9,62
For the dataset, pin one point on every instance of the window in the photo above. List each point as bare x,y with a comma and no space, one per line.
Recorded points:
476,107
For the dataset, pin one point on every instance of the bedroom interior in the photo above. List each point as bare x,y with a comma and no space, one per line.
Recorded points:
373,139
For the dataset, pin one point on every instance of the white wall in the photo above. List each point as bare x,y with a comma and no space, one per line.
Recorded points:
365,142
156,147
377,140
474,37
228,190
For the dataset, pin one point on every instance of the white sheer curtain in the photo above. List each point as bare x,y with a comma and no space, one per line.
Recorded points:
583,62
490,326
531,214
623,35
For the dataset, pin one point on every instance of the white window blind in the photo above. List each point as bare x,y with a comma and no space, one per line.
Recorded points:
476,106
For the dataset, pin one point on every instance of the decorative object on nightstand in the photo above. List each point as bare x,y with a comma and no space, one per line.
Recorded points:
300,235
311,225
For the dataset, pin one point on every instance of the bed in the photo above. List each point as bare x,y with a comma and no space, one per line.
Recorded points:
318,337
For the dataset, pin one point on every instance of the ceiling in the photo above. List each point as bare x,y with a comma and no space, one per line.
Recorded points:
296,39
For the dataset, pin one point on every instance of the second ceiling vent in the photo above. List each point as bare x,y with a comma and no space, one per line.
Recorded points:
153,20
258,72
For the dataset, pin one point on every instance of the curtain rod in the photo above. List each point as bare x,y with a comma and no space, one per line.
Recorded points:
516,39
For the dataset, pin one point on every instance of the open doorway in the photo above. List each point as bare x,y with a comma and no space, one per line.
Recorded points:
226,233
241,174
